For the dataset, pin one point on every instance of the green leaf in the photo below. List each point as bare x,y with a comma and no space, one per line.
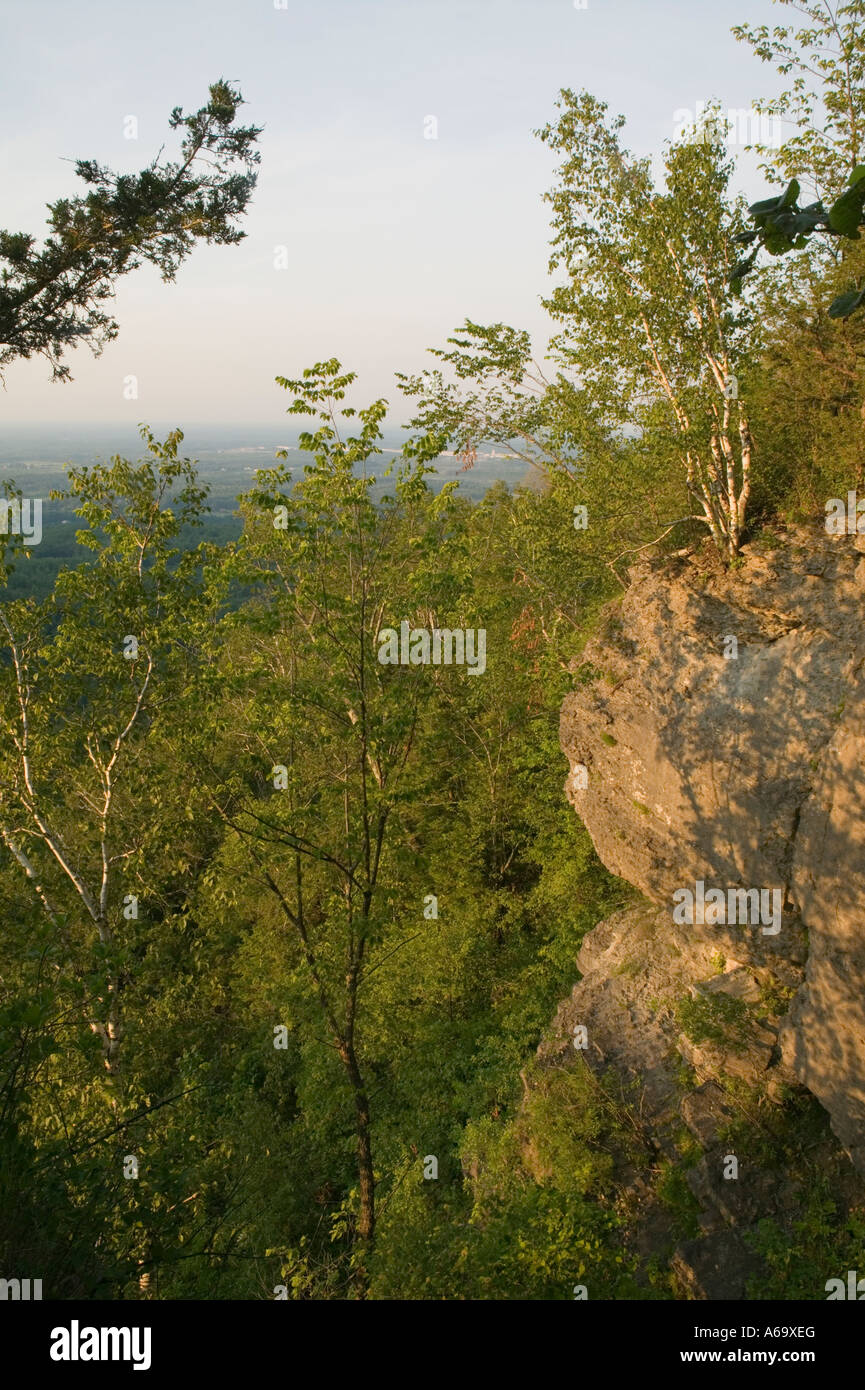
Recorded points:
845,214
767,205
845,304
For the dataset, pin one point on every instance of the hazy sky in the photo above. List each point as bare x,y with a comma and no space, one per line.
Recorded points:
392,238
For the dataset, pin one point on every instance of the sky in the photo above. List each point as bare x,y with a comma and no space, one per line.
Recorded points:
393,238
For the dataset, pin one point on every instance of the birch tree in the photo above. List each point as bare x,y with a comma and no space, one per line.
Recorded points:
84,678
647,321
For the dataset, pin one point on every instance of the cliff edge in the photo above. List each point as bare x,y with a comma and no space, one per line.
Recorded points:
716,740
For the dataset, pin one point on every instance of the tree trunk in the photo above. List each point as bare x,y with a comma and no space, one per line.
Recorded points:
366,1223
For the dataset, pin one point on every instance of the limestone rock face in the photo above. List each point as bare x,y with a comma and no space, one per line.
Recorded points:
824,1041
716,735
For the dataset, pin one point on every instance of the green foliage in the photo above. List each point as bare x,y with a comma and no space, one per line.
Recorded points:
780,225
671,1186
714,1018
299,908
824,105
822,1244
531,1216
819,1236
826,108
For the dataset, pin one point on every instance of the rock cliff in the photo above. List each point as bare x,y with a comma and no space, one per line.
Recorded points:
716,739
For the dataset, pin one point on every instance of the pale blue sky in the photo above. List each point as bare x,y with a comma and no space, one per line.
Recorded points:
392,238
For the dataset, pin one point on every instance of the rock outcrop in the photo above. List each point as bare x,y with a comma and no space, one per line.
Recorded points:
716,736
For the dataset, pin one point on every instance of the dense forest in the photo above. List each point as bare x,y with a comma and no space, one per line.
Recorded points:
287,909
